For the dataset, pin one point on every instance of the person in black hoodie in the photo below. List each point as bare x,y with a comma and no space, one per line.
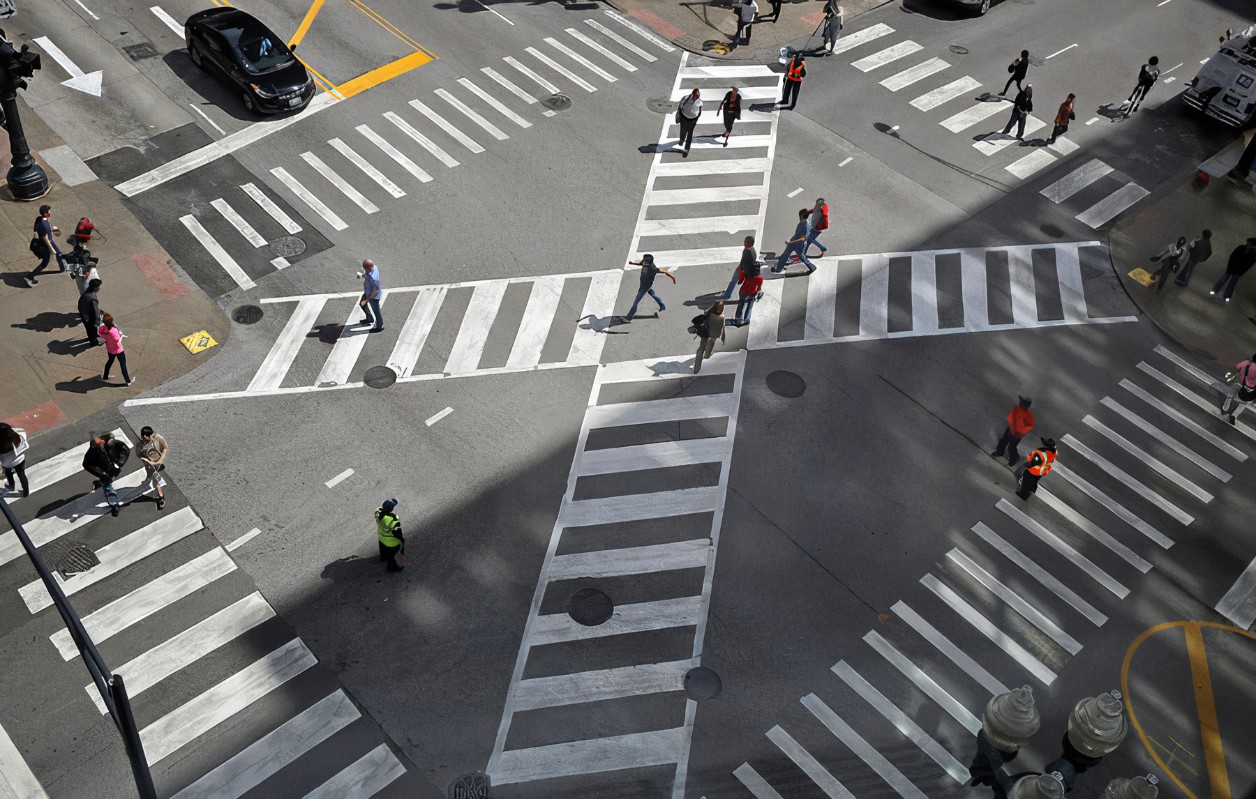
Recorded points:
1019,68
89,311
1241,260
1200,251
104,460
1021,106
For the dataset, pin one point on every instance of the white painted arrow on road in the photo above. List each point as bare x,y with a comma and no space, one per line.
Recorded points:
88,82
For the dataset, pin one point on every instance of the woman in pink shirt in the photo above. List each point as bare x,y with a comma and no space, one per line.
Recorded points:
113,346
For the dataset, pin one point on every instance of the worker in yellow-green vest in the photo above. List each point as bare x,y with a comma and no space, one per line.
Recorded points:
392,544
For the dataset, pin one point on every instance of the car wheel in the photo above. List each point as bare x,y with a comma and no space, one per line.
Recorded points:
195,55
983,8
250,104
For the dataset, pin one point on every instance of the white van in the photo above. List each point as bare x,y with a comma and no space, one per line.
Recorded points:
1225,88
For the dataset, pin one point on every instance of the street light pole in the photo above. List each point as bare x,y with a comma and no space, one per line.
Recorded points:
26,178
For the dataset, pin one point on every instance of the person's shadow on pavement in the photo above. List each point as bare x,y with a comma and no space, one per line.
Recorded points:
82,385
48,321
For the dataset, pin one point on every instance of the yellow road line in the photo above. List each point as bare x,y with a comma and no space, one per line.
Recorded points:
391,28
320,79
1206,707
384,73
304,27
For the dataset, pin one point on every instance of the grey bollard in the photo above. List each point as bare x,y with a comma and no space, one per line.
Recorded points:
1011,719
1097,726
1038,786
1132,788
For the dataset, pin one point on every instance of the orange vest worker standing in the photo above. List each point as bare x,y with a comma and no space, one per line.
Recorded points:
1037,466
793,80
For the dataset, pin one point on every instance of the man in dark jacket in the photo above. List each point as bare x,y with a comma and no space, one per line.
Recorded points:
1200,251
1021,106
1240,261
749,265
89,311
104,460
1019,68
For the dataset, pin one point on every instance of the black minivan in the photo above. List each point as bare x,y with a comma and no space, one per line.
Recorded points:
241,49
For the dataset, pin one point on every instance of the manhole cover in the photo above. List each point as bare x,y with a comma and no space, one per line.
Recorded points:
140,51
958,49
247,314
660,105
702,683
786,384
77,558
558,102
1052,231
287,246
379,377
590,607
471,786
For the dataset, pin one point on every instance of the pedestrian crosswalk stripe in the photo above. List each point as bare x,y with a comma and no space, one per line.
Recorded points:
1040,574
948,648
268,205
639,507
726,71
573,758
821,301
944,94
698,257
746,142
1009,596
279,360
173,654
1093,530
1119,510
137,605
1068,272
1128,480
1154,463
275,750
715,94
600,686
489,127
1076,180
924,293
216,250
589,339
923,681
874,297
660,455
508,85
1020,266
972,264
306,196
367,168
615,37
189,721
347,349
1028,165
993,143
542,82
566,73
755,783
497,105
889,54
631,560
808,763
117,556
1193,398
365,777
721,363
857,744
1191,369
46,473
724,166
340,183
1173,443
592,45
853,40
910,729
705,224
1106,209
767,316
1062,547
534,328
423,141
1182,419
983,625
414,332
640,31
1064,146
468,347
914,74
675,409
236,221
579,59
448,127
966,119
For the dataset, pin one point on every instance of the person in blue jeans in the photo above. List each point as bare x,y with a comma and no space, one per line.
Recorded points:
817,224
370,296
648,272
749,266
795,245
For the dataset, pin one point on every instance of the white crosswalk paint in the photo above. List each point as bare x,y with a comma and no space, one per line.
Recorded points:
972,265
186,723
1145,457
636,750
754,783
489,127
1040,574
468,347
445,125
602,685
694,225
367,169
1210,405
1020,265
579,59
637,507
850,41
1173,443
821,302
499,106
924,293
697,257
724,166
726,71
137,605
923,681
534,327
631,560
734,143
914,74
1093,530
993,143
1064,548
284,351
1014,600
367,776
245,229
1194,371
1106,209
660,455
767,316
1111,504
216,250
640,31
169,21
1036,160
857,744
306,196
1064,146
966,664
615,37
542,82
886,56
1239,603
427,144
268,205
675,409
508,85
43,474
1076,180
72,515
359,199
716,94
1184,421
561,70
944,94
967,118
1128,480
807,762
874,297
592,45
599,304
414,332
1068,273
347,349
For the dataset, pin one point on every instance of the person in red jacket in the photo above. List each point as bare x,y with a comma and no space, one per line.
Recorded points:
750,287
1019,423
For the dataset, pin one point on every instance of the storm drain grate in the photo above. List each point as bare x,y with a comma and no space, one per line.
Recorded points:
379,377
75,559
557,102
590,607
138,52
471,786
247,314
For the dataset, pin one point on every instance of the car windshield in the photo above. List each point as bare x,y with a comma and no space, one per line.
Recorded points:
261,52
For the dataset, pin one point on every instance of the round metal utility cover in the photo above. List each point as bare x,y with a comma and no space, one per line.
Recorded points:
702,683
247,314
76,558
590,607
786,384
379,377
557,102
471,786
958,49
287,247
660,105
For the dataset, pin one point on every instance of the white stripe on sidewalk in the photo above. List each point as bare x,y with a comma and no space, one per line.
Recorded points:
216,250
367,776
1239,603
1117,508
534,327
268,205
117,556
807,762
186,723
1106,209
944,94
489,127
944,645
367,168
640,31
1160,435
637,507
973,280
423,141
1075,181
983,625
1183,420
660,455
1014,600
599,686
1036,160
468,347
508,85
694,225
914,74
853,40
866,752
340,183
874,297
1210,406
542,82
49,472
284,351
572,758
1156,464
308,198
923,681
1095,531
448,127
146,600
184,649
900,50
549,62
1041,575
615,37
579,59
599,305
967,118
347,349
414,332
661,614
910,729
1064,548
631,560
245,229
728,166
754,783
1128,480
72,515
924,293
673,409
1068,272
495,103
821,302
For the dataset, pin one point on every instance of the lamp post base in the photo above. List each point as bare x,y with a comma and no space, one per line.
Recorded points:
27,182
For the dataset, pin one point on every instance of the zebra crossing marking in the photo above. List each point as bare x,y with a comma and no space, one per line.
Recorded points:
496,104
579,59
1063,548
1126,479
944,94
366,168
561,70
866,752
238,222
445,125
307,196
216,250
621,41
915,74
1104,211
365,777
268,205
403,160
474,116
944,645
330,175
1011,598
640,31
806,761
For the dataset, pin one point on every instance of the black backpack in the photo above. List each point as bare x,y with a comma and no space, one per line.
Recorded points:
118,452
701,325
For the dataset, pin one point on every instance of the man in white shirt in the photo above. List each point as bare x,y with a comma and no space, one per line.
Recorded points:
745,16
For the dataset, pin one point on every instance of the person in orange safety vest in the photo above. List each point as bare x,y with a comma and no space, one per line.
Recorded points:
794,74
1037,466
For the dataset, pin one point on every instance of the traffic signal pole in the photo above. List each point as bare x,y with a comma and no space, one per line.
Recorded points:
27,179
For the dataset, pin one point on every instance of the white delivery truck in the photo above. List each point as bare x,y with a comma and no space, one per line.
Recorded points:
1225,88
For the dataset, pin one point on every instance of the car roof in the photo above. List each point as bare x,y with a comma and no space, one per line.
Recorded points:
235,24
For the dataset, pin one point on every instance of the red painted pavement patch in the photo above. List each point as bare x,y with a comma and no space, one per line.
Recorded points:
160,275
814,18
41,417
656,23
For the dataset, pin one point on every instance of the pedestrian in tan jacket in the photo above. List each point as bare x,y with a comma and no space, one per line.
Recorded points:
709,326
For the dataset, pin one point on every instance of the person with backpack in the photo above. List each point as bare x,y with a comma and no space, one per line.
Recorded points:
749,266
43,244
1243,390
1062,118
687,117
817,224
1170,258
1200,250
794,73
83,232
1018,69
751,287
153,451
709,326
13,446
1037,466
1147,77
104,460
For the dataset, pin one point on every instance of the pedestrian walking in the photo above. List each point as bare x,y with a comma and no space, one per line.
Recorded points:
371,295
113,345
1020,421
795,246
1036,466
392,544
731,108
1170,258
749,266
1241,260
834,21
13,446
817,223
794,73
1021,106
105,458
1147,77
1200,250
44,244
82,267
648,273
776,9
153,451
1062,118
751,287
89,312
1242,390
1019,69
709,326
687,117
746,14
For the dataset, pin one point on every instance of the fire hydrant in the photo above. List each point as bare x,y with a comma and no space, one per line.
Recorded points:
1096,728
1038,786
1132,788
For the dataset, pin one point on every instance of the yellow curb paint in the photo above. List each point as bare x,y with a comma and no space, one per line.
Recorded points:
1206,708
198,341
304,27
384,73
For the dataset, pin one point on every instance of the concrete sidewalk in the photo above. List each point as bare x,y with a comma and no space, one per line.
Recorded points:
51,376
705,27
